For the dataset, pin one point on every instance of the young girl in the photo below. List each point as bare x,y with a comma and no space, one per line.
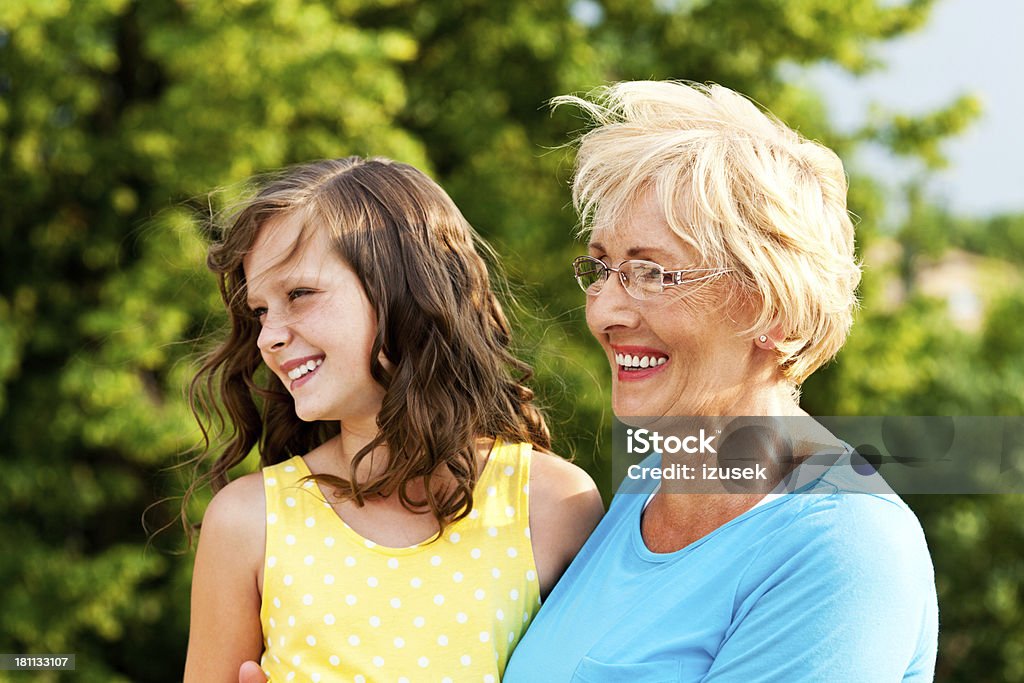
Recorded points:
409,516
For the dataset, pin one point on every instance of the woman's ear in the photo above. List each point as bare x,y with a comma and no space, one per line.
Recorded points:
767,340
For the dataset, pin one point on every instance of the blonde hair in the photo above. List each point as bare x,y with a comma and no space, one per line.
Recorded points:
745,191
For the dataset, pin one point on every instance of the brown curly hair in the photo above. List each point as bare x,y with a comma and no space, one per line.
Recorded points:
452,376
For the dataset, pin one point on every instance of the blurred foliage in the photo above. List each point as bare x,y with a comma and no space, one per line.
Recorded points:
117,116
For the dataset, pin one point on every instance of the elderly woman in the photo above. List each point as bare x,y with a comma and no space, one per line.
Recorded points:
721,273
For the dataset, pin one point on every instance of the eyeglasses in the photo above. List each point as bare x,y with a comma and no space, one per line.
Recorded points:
640,279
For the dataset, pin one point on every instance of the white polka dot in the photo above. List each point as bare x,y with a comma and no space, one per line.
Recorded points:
478,594
270,481
350,600
513,594
296,660
271,561
288,579
315,677
489,678
277,602
372,581
329,579
447,680
399,642
308,559
475,553
500,615
289,501
329,541
310,522
368,543
329,619
290,676
461,618
403,679
353,640
396,603
526,489
290,539
307,599
512,552
271,518
510,511
273,623
350,561
289,468
438,599
416,582
335,660
375,621
291,621
435,560
281,642
465,660
457,577
418,622
526,617
495,572
492,491
393,563
492,531
474,514
509,470
442,640
311,641
423,662
360,678
530,575
455,537
378,662
307,485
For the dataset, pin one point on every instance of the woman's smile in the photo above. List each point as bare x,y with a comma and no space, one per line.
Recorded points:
635,363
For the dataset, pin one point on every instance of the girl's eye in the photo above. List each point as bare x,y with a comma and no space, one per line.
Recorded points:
296,293
258,313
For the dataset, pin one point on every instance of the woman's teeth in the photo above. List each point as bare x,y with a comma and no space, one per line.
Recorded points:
305,368
639,362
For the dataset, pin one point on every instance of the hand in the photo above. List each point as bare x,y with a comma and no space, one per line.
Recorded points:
250,672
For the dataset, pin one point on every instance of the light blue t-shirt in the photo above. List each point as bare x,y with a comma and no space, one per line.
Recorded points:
823,586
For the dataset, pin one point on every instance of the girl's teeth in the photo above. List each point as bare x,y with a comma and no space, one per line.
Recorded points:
305,368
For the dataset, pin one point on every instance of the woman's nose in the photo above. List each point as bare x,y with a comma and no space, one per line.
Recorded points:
612,308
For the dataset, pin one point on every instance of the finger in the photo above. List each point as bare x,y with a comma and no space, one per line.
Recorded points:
250,672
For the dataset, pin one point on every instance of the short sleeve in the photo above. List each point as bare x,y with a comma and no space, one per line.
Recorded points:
847,593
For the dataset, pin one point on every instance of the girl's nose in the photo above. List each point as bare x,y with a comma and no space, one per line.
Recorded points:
273,337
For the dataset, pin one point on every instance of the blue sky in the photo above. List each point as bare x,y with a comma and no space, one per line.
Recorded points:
968,46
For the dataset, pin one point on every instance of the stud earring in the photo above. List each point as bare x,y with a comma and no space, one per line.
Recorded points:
763,338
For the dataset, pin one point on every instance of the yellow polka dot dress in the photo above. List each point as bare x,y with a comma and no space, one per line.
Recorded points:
338,607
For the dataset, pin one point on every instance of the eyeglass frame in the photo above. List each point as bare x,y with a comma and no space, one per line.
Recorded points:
677,275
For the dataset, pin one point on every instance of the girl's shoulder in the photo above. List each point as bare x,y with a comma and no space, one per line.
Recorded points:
565,507
238,511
